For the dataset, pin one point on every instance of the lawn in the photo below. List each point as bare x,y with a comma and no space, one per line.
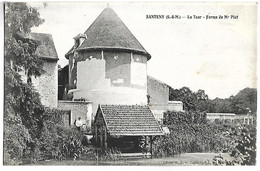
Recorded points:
187,159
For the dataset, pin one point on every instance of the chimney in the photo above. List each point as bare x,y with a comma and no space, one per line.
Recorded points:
79,39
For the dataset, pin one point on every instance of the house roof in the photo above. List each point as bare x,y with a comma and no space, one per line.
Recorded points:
46,49
108,32
154,79
130,120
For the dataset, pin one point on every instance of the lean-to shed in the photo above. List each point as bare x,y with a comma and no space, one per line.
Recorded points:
127,121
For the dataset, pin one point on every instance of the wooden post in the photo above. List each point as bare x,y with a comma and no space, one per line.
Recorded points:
96,134
145,144
101,138
105,135
151,146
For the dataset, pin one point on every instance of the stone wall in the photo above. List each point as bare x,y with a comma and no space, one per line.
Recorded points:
158,91
78,109
47,84
159,98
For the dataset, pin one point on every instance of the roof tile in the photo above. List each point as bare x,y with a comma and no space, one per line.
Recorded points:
130,120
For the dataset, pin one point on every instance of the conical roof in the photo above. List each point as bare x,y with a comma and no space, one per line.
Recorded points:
108,32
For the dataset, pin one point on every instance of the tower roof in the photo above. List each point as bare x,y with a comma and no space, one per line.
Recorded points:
108,32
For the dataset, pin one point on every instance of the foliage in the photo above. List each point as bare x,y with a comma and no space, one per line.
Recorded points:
188,135
31,132
23,109
219,160
186,96
15,139
22,117
244,152
20,51
245,101
190,138
220,106
188,117
56,141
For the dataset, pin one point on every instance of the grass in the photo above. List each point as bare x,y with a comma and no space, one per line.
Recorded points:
187,159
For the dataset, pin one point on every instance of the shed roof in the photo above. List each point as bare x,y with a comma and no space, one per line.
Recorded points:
46,49
130,120
109,32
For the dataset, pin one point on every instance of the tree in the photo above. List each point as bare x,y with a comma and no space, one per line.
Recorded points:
185,95
201,95
20,51
244,101
202,100
22,107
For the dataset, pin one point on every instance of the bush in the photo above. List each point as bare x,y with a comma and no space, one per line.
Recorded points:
53,140
187,117
15,140
189,135
244,152
57,141
192,138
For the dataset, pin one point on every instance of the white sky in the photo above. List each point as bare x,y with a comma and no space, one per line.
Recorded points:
218,56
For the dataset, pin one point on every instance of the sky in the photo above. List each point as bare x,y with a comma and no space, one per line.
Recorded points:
216,55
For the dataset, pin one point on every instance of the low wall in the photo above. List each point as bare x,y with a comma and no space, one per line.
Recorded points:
159,109
232,117
213,116
78,109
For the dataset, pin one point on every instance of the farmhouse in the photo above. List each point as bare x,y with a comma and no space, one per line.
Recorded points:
106,84
108,66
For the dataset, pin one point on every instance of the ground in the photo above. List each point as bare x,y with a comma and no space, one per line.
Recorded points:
183,159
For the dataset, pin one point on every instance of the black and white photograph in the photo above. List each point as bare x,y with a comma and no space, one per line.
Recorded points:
129,83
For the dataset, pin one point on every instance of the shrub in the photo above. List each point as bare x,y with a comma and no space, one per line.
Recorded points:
57,141
187,117
192,138
244,152
53,140
15,138
188,135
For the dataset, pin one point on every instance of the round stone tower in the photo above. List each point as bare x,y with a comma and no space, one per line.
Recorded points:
107,64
